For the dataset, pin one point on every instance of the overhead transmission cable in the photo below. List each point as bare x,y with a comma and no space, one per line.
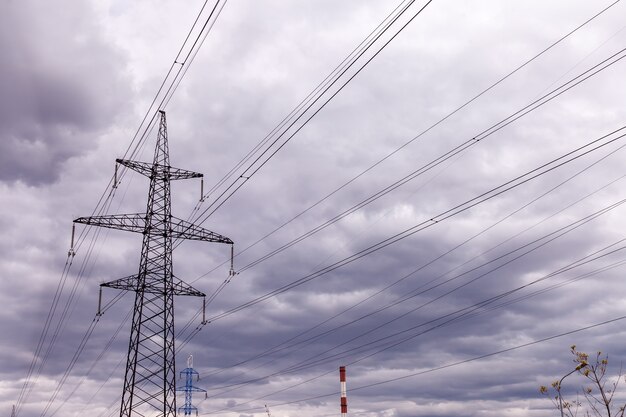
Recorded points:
67,311
558,158
472,309
61,324
422,133
68,369
570,84
460,208
385,343
524,249
277,348
306,104
411,294
449,154
349,60
198,43
172,82
27,386
227,280
438,368
418,291
310,101
183,66
583,76
266,155
350,351
458,314
425,223
287,343
106,348
444,366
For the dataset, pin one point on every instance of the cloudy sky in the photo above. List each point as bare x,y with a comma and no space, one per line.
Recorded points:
448,198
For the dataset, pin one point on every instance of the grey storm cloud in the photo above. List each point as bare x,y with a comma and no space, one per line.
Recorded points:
61,84
412,321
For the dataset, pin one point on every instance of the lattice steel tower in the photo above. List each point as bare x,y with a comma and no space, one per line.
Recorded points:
150,379
189,388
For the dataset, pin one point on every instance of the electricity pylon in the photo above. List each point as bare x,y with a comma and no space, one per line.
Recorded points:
189,373
150,378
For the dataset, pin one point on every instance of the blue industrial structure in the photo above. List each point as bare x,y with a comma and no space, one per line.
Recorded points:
189,373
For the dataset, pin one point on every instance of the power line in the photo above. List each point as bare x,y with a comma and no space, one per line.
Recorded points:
518,112
553,235
537,103
449,154
606,63
183,67
252,169
298,112
473,309
27,385
431,127
103,352
218,290
457,363
285,344
305,104
528,248
319,89
460,208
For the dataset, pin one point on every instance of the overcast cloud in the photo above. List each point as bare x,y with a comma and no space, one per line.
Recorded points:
76,80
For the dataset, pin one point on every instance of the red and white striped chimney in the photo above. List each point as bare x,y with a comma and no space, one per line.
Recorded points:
344,400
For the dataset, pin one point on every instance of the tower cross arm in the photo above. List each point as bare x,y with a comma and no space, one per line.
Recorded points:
130,283
191,389
135,222
182,229
136,283
147,169
182,288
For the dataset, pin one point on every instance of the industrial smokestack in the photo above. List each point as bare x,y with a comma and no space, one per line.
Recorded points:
344,400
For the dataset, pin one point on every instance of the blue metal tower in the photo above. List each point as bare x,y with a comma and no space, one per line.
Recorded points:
189,373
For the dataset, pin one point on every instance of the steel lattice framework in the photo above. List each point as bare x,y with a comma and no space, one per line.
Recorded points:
189,389
150,378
